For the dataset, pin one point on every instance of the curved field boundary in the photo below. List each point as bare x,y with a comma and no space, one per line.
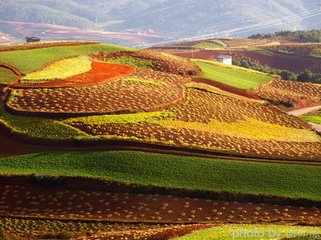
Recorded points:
227,88
91,184
7,48
100,73
129,145
14,70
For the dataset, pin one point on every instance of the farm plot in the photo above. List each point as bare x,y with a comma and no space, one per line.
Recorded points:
31,60
295,49
99,72
288,62
231,75
44,229
289,93
165,170
59,70
151,59
145,90
39,201
215,122
6,76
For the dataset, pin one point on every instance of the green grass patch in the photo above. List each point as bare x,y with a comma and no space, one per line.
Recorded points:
293,181
245,232
6,76
131,61
38,127
30,60
234,76
313,119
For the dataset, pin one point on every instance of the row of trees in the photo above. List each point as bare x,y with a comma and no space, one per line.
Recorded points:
303,36
305,76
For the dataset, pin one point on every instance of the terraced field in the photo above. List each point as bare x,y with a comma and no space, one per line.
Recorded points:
180,172
290,93
30,60
220,152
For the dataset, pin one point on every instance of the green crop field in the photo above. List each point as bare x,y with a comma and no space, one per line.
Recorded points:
232,75
30,60
313,119
37,127
245,232
6,76
293,181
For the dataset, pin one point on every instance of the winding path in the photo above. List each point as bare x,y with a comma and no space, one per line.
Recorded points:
303,111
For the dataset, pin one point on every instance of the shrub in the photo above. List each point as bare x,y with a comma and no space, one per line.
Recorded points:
59,235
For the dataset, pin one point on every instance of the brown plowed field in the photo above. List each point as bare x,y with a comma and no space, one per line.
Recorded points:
290,93
20,199
80,230
153,91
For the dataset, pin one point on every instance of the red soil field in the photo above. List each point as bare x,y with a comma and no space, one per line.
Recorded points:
26,199
100,72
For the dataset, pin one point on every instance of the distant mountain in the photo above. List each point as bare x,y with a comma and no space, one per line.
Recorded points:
173,19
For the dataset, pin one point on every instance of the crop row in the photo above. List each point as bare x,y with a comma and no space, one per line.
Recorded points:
214,122
289,92
43,229
74,204
145,90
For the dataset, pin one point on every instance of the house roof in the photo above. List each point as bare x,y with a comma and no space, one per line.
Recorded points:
224,56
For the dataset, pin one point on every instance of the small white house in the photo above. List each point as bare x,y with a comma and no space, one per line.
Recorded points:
226,59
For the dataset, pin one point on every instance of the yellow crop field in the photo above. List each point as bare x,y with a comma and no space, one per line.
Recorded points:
61,69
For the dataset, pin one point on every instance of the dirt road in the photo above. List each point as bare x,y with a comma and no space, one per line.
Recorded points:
303,111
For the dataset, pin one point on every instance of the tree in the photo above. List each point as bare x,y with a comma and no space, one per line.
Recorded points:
306,76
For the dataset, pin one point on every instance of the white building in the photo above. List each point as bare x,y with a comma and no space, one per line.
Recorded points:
226,59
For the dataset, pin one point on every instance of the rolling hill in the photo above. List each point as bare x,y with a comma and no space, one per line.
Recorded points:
177,19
